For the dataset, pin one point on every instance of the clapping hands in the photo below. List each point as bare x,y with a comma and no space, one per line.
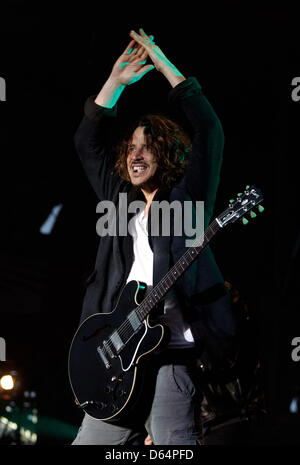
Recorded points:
131,65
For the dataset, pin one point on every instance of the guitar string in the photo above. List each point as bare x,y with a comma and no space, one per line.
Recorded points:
126,328
126,325
186,260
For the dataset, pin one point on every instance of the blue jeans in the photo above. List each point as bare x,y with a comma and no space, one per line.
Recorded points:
174,418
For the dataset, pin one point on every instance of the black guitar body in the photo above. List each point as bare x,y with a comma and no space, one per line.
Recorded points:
106,374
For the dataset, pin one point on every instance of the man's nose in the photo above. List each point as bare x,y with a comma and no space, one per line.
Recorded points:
138,153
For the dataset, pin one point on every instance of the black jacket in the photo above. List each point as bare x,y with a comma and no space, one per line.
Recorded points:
202,285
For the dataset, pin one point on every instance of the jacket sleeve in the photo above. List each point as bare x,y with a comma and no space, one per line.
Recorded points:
92,142
205,158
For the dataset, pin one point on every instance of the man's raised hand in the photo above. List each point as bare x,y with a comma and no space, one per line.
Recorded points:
158,58
131,65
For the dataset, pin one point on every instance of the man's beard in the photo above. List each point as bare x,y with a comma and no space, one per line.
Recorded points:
151,183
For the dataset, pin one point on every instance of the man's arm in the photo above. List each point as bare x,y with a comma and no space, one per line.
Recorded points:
202,176
91,138
205,160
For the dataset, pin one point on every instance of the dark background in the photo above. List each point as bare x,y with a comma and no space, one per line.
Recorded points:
53,56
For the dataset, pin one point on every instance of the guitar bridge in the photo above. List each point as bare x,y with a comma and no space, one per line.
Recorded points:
103,358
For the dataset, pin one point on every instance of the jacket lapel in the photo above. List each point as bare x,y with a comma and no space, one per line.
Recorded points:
160,245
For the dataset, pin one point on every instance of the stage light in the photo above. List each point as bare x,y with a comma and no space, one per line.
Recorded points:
48,225
294,405
7,382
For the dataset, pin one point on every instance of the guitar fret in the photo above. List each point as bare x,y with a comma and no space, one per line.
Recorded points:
143,310
155,294
181,264
169,278
160,291
191,253
164,285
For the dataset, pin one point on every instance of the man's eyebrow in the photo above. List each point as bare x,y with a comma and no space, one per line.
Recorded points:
144,145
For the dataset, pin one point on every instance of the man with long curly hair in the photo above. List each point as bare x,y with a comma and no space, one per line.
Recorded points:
157,161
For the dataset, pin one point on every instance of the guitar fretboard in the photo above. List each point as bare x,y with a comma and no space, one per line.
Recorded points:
164,285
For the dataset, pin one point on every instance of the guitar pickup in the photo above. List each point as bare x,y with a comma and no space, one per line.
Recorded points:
134,321
116,341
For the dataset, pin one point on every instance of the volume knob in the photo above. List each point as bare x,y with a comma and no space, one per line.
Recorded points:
121,393
101,405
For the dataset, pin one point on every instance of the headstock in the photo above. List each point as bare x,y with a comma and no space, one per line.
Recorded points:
245,202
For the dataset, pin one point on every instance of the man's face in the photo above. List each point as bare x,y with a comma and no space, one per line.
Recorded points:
141,163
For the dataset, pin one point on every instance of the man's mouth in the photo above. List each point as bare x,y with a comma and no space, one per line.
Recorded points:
138,167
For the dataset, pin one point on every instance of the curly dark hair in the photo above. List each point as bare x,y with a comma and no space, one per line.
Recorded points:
169,143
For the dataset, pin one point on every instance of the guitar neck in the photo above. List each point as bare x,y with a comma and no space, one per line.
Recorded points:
170,278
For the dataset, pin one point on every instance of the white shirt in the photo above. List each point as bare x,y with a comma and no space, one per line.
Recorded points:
142,270
142,267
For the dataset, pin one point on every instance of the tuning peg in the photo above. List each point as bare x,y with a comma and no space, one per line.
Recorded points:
240,194
260,208
247,187
245,221
252,214
231,201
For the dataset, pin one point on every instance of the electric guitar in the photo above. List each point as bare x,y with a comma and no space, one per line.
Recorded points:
109,352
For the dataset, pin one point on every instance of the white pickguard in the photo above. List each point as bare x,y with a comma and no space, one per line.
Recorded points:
135,352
